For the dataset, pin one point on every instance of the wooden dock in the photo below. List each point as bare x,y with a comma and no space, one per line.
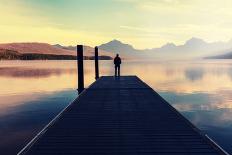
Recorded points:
120,117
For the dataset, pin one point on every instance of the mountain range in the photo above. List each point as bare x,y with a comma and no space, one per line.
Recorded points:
221,56
193,48
35,51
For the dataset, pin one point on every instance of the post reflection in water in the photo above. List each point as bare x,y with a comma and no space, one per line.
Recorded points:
33,92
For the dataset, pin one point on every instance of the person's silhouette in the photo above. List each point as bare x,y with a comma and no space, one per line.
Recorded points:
117,62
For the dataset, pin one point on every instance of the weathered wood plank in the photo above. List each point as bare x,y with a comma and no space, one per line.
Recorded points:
121,116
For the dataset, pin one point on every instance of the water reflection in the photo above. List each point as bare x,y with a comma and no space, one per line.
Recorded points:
20,72
33,92
194,74
21,122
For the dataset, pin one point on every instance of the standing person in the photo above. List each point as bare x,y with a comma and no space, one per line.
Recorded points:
117,62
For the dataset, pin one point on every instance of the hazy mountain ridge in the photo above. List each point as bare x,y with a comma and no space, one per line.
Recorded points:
117,46
39,48
44,51
88,51
192,48
222,56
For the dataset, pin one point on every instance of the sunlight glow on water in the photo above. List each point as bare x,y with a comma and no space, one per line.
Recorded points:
33,92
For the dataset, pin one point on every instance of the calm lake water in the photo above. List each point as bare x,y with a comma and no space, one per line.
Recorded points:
33,92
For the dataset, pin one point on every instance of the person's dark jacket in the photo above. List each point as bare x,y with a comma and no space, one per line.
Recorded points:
117,61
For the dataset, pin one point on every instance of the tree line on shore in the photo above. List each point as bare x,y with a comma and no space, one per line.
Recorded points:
14,55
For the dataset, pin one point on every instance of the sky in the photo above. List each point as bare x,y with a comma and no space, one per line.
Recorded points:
141,23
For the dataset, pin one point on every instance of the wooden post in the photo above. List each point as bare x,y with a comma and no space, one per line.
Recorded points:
96,63
80,68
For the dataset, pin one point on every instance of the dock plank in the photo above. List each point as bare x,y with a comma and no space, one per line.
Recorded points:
121,116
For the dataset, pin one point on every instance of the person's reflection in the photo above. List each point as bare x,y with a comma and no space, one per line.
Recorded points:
117,62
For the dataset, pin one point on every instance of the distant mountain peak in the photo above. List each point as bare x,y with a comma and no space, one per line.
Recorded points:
57,45
116,41
169,45
195,41
117,46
